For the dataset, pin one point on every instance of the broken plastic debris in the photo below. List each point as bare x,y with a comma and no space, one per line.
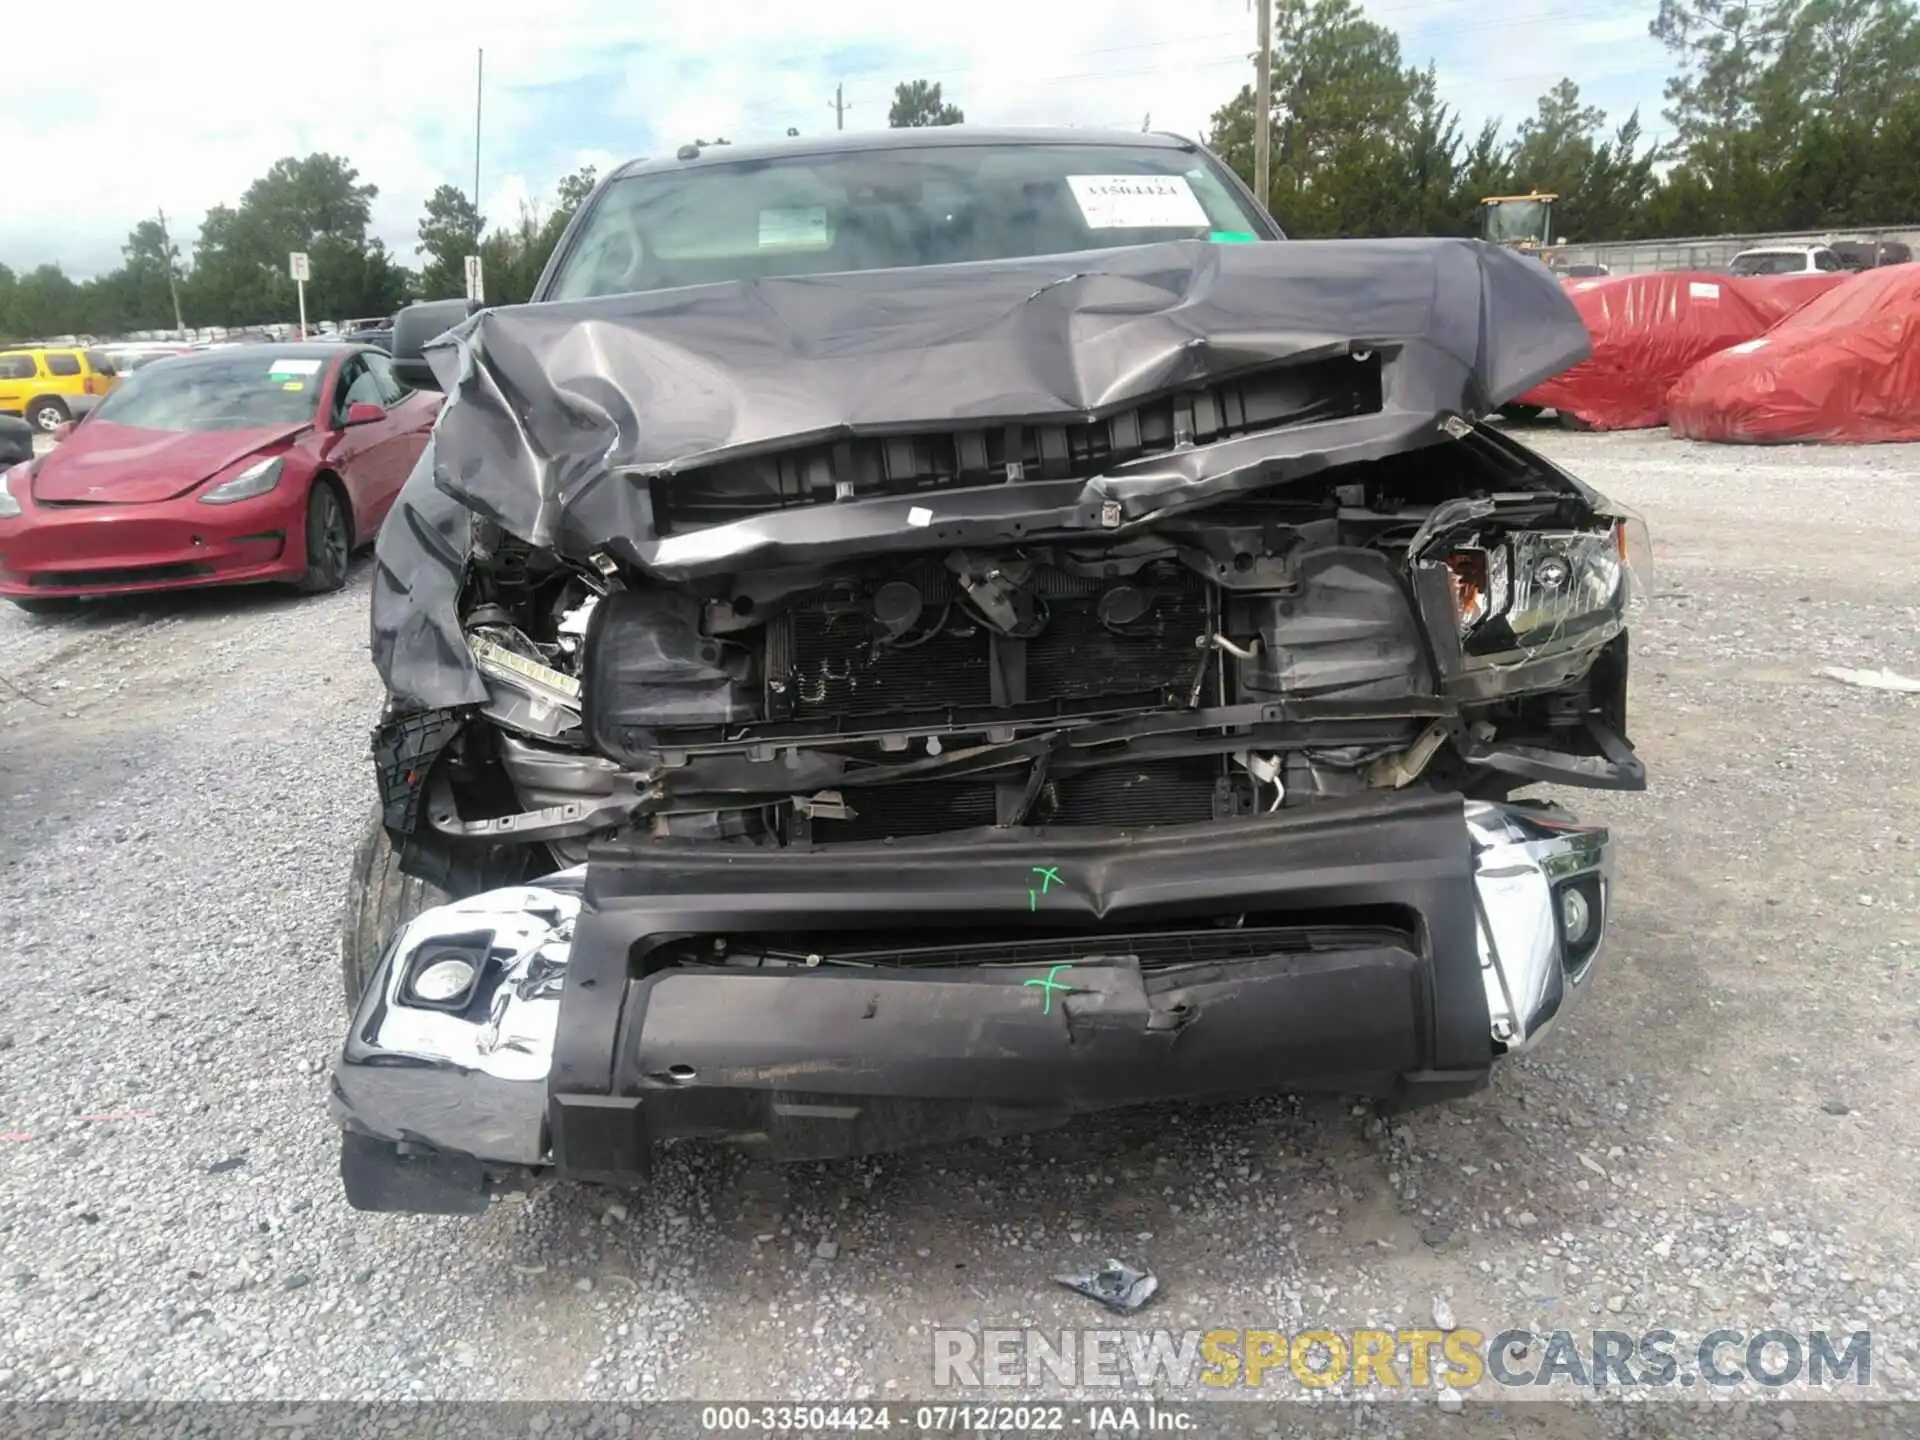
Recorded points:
1872,679
1116,1285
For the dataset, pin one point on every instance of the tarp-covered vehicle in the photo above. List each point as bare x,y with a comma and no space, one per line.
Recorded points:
1842,370
1646,331
933,634
1778,296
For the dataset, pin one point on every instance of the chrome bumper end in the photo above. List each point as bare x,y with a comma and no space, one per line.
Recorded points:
1543,887
464,1073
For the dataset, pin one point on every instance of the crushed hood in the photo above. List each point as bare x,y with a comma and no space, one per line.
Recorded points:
555,410
560,415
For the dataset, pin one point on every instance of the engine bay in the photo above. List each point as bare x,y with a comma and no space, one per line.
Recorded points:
1261,652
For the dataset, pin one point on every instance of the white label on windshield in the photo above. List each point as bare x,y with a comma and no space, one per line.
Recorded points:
802,227
1702,290
294,367
1747,347
1137,202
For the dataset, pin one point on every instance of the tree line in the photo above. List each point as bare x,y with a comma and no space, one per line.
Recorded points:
1784,115
238,275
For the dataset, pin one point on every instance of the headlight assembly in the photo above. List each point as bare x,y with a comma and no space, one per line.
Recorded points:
257,479
1534,587
1481,584
1561,579
1635,544
525,693
9,506
521,672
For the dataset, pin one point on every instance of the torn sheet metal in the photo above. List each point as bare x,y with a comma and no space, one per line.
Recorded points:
419,564
559,415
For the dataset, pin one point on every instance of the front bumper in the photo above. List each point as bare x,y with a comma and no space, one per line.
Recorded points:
75,550
1417,939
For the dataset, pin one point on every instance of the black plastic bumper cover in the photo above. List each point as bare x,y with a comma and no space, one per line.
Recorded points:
818,1062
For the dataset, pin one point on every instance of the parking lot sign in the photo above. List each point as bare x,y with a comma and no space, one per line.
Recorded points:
298,268
476,290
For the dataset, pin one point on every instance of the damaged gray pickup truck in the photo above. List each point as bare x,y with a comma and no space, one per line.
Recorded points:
930,634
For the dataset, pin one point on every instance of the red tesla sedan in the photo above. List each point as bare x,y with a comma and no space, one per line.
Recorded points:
259,462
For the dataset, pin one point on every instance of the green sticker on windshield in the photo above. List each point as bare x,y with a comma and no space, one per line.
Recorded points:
1233,237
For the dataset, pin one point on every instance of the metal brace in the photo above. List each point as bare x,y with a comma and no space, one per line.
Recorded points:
550,822
826,805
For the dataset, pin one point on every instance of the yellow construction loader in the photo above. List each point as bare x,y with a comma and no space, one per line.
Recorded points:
1524,222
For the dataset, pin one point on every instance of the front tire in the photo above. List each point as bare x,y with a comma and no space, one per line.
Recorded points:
329,541
48,414
379,901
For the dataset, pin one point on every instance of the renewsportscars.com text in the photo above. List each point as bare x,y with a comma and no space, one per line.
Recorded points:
1223,1360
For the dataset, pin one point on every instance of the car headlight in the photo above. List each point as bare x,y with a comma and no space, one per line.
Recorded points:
257,479
1635,544
9,506
1533,587
1561,579
532,678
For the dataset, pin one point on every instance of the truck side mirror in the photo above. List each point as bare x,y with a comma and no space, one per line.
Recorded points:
417,326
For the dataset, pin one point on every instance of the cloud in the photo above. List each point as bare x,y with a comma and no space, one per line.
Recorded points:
193,100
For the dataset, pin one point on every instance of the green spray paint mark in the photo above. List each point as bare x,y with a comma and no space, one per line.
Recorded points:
1048,874
1048,986
1233,237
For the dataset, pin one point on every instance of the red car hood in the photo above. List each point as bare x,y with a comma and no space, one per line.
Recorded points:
107,464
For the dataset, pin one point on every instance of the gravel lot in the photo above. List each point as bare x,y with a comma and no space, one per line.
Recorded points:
1723,1133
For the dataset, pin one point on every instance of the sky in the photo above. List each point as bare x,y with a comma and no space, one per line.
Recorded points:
193,99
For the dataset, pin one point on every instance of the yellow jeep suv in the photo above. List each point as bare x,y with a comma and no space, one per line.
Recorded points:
50,385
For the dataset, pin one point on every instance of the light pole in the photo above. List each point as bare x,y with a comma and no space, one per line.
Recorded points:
479,76
173,283
1263,106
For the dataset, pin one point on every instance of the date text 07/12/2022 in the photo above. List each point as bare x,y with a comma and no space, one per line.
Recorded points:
1097,1418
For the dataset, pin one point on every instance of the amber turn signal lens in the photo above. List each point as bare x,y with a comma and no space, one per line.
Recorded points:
1468,568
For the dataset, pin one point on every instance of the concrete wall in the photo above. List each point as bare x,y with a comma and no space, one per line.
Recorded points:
1711,252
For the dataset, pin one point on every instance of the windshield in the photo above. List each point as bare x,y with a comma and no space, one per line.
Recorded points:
253,389
885,209
1510,222
1776,262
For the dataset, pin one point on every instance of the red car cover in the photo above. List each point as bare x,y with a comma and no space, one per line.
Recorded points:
1780,295
1647,331
1844,369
